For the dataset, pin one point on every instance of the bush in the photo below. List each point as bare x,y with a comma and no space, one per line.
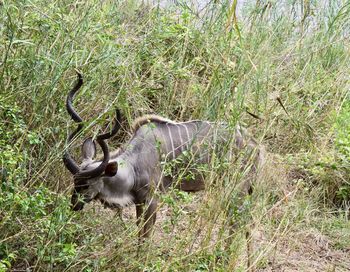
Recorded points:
288,69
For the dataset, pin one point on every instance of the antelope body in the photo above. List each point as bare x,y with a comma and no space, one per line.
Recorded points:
130,174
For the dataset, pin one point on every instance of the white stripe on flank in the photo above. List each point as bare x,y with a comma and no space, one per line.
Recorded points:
181,141
188,135
171,140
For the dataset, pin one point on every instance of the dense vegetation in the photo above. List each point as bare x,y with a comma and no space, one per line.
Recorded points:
285,62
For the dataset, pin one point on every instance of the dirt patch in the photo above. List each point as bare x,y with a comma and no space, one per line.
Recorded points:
307,250
304,251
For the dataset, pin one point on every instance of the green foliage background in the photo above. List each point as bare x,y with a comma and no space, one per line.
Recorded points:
285,61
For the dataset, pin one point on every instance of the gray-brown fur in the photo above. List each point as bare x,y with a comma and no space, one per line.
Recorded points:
133,172
156,141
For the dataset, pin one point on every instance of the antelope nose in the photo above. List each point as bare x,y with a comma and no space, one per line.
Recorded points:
77,206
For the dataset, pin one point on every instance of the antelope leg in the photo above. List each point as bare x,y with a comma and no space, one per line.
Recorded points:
150,217
248,237
139,212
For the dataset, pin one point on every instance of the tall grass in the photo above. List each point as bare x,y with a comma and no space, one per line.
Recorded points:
286,63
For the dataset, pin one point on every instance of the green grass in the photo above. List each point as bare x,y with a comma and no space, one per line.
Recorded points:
289,68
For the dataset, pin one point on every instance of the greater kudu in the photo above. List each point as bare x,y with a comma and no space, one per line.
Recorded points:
135,170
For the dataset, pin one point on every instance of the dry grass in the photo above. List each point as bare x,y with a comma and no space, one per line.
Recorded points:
286,63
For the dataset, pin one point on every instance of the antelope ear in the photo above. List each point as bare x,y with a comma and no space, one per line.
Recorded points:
111,169
89,149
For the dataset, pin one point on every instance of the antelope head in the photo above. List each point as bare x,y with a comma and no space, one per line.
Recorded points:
89,175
